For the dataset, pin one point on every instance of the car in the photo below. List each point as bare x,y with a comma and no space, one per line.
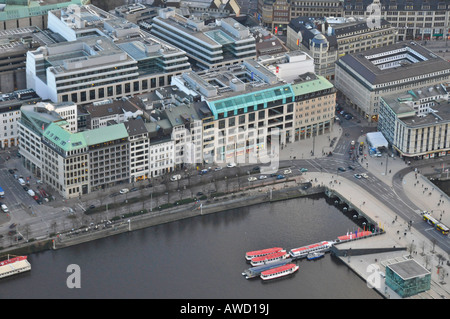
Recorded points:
252,179
351,167
256,169
200,194
358,176
218,168
91,206
364,175
134,189
281,176
175,177
303,170
12,226
341,169
11,171
203,171
124,191
4,208
263,177
287,171
231,165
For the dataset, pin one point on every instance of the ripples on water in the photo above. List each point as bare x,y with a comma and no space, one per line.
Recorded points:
202,257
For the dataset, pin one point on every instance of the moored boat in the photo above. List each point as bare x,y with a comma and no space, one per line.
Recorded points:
258,253
305,250
315,255
12,266
279,271
257,261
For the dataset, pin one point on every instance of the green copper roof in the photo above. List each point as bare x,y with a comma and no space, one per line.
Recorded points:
67,141
311,86
105,134
18,10
231,105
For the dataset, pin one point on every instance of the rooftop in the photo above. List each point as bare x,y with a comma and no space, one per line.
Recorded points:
396,62
408,269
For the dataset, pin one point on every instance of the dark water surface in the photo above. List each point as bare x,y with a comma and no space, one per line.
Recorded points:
200,258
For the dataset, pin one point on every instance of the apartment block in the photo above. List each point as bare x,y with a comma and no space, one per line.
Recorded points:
415,19
416,122
328,39
363,78
10,104
104,57
223,42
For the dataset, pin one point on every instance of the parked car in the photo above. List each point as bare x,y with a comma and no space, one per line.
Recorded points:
231,165
4,208
124,191
252,179
263,177
281,176
175,177
218,168
203,171
303,170
287,171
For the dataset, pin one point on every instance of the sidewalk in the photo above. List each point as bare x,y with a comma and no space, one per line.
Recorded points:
397,234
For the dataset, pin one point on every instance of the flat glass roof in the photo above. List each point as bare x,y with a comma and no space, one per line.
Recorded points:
219,36
232,104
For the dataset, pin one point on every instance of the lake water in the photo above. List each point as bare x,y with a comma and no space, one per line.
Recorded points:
200,258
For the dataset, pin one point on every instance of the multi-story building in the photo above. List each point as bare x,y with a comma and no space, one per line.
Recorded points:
104,57
14,44
329,39
363,78
34,119
224,42
415,19
245,104
10,115
26,13
416,123
276,14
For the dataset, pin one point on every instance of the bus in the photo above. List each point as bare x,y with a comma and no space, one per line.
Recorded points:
435,223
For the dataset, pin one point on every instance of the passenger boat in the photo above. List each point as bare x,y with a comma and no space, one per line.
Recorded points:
279,271
305,250
12,266
253,272
258,253
315,255
12,260
258,261
355,235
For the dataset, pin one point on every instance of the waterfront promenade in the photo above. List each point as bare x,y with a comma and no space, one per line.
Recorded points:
400,178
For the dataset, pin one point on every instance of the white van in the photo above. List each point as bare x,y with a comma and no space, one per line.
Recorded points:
21,182
175,177
31,192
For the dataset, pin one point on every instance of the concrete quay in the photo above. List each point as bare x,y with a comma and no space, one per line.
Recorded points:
397,235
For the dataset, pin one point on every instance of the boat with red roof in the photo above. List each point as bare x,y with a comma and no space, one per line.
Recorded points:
278,272
12,260
258,261
305,250
12,266
258,253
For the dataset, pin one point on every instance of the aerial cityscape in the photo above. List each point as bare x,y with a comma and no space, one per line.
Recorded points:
225,149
